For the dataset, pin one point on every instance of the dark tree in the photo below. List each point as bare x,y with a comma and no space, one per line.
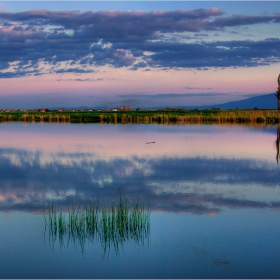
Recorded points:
278,93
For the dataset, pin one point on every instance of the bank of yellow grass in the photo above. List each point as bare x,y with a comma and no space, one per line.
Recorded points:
159,117
238,116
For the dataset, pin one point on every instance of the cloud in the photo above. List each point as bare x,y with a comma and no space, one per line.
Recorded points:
8,75
239,20
213,54
119,23
88,79
123,39
74,70
230,183
195,88
171,95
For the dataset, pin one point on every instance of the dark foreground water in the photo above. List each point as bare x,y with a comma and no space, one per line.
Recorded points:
214,195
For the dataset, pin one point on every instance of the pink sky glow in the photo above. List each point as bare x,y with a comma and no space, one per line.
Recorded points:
191,56
227,142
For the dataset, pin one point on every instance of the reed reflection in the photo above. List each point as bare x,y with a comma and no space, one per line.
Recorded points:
111,225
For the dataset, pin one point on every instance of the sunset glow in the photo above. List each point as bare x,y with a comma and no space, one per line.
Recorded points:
137,53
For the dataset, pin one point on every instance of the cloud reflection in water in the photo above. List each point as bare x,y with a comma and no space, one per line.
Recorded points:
174,182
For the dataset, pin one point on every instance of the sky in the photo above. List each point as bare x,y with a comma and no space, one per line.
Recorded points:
142,54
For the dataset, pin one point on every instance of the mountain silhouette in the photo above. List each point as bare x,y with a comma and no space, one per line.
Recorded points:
266,101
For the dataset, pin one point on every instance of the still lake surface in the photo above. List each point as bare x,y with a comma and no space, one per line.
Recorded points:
214,195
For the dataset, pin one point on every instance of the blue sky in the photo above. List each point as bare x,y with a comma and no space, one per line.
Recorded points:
114,53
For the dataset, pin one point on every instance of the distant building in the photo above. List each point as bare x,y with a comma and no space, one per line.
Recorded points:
125,108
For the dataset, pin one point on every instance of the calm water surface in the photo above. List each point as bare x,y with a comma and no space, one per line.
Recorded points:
214,194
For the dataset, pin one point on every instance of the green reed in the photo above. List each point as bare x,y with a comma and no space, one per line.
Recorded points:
110,224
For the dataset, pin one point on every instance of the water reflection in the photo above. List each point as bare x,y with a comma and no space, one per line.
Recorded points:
112,225
223,178
189,169
278,144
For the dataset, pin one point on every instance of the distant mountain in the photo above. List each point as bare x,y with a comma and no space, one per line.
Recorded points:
267,101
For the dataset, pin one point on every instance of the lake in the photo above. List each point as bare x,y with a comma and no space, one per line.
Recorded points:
211,192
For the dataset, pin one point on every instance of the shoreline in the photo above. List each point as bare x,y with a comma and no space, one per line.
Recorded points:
258,116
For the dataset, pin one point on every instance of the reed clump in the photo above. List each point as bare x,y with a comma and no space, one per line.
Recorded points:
111,224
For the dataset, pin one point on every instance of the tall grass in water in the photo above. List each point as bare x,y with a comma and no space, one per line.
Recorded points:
110,224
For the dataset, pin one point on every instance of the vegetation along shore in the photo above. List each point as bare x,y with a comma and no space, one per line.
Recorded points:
147,116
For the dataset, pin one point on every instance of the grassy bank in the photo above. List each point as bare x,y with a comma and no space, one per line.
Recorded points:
162,117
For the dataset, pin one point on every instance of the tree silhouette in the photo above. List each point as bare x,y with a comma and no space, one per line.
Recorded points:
278,93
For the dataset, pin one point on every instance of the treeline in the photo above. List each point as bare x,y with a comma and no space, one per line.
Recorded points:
160,117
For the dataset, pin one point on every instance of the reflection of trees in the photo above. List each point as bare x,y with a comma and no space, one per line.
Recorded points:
111,225
278,144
